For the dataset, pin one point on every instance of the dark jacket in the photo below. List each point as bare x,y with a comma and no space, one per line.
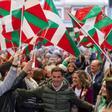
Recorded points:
7,100
96,85
32,104
88,97
55,101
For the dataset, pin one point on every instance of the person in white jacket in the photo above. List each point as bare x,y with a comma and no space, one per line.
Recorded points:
7,83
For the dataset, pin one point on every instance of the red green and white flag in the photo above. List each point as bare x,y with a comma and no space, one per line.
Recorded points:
108,41
11,18
34,19
56,32
49,5
4,7
85,13
104,25
81,37
12,21
90,18
14,37
99,30
4,43
32,23
97,35
86,17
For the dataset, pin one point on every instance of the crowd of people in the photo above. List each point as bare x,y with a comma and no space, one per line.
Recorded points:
52,80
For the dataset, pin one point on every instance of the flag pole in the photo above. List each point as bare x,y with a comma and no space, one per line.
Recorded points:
80,41
22,13
91,38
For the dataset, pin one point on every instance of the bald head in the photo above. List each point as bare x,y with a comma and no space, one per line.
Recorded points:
95,66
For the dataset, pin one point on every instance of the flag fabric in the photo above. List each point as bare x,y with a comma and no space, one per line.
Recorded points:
85,13
97,35
90,20
99,30
108,41
4,8
80,36
28,49
14,37
4,43
104,25
10,18
49,5
12,21
56,32
33,22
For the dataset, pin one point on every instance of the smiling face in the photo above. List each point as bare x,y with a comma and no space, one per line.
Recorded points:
70,68
57,78
76,80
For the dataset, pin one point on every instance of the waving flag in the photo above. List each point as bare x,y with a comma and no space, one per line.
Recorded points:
108,41
85,13
4,43
56,32
5,6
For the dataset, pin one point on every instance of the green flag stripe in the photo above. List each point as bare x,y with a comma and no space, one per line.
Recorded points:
84,40
44,41
53,25
27,50
77,35
4,12
17,13
93,12
73,45
15,37
92,32
109,38
52,6
35,20
104,22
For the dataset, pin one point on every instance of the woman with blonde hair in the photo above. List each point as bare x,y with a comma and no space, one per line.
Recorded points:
82,87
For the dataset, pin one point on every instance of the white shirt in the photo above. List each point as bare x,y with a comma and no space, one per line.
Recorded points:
77,92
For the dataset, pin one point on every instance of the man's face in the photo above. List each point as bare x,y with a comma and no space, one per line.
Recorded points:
57,78
94,67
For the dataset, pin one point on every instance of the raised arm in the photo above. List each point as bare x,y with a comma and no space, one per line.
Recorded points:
10,77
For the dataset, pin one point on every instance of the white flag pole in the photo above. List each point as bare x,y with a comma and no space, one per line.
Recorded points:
92,39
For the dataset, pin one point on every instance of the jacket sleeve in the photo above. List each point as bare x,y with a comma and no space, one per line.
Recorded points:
18,80
80,103
23,94
8,81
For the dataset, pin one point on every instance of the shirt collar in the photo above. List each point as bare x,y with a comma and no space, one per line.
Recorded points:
57,88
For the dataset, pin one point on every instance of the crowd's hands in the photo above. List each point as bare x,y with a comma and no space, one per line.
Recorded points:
84,92
16,58
28,66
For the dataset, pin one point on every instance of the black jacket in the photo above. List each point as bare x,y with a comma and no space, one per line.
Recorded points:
7,100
